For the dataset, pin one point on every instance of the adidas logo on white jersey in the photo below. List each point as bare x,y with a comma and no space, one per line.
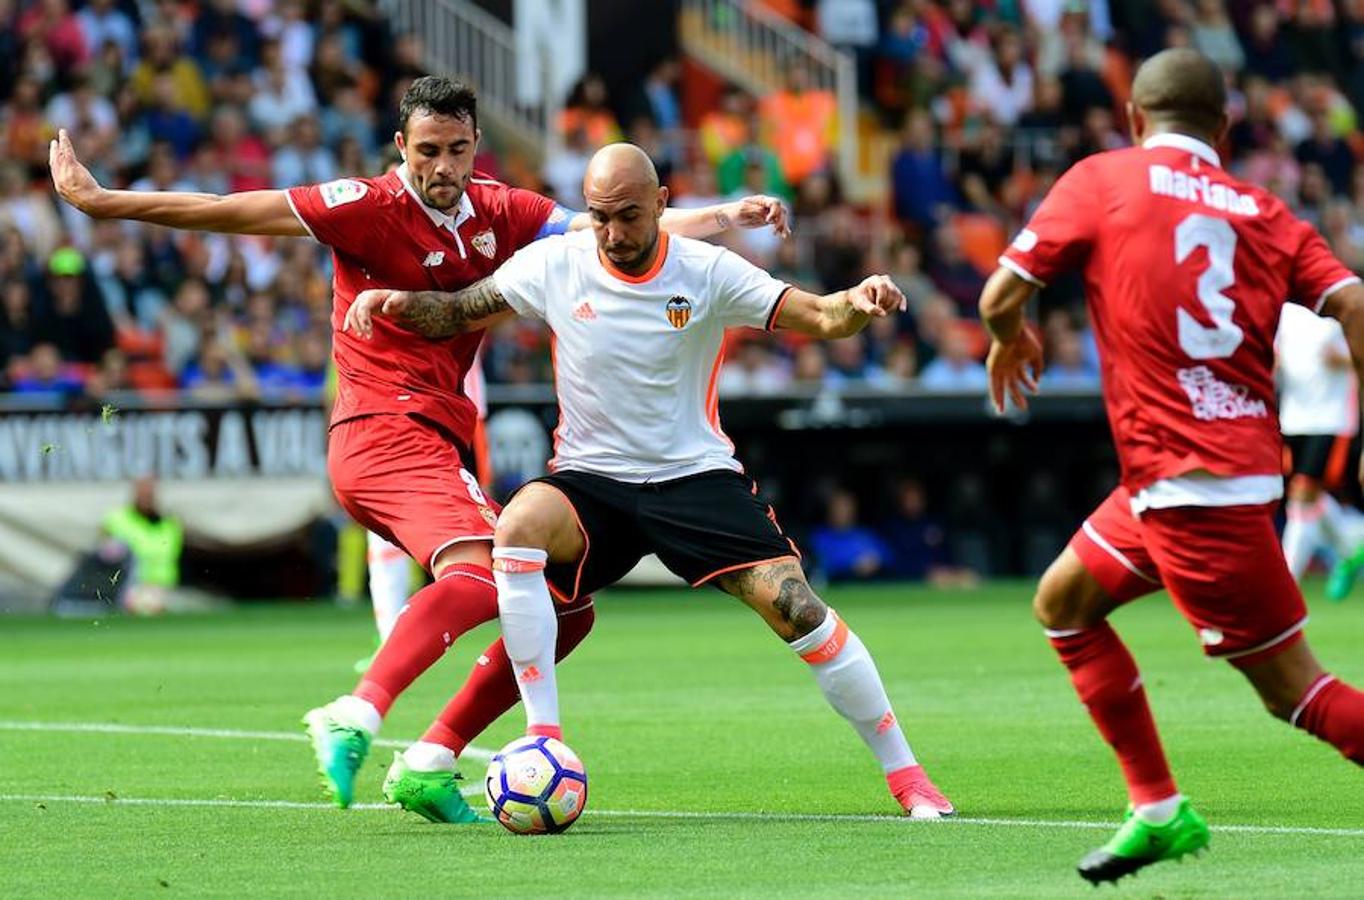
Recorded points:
434,258
584,312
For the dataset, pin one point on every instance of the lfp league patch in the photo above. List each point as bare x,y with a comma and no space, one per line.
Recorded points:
342,191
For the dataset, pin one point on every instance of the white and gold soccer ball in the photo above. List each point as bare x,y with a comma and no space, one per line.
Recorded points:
536,785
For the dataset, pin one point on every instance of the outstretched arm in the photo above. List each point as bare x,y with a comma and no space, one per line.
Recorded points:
1015,360
248,212
434,314
754,211
839,315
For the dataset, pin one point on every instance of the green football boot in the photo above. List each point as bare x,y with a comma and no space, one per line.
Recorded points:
340,749
434,796
1343,576
1139,844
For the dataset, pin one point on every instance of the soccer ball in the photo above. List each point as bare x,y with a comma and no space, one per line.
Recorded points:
536,785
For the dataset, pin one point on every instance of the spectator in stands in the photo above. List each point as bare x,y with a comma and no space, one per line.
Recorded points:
845,550
986,163
161,56
738,169
25,128
1267,53
222,18
166,122
102,22
957,367
920,187
665,107
219,374
72,315
1067,367
565,167
1001,86
1328,150
952,272
725,128
90,118
52,24
282,95
16,322
752,371
45,372
589,108
1214,36
303,158
27,211
799,122
808,369
917,541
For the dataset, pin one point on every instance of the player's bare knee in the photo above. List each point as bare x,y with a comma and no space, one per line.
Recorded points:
800,608
1068,596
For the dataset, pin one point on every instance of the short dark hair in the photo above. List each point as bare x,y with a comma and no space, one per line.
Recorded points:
438,95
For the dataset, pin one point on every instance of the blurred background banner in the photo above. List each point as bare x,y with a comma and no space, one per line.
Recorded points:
240,479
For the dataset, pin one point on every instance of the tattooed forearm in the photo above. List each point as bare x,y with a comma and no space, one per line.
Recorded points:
722,220
442,314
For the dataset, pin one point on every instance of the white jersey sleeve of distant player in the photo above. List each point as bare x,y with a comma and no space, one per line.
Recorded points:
523,281
743,293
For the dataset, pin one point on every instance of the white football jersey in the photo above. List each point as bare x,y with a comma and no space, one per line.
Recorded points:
637,358
1314,398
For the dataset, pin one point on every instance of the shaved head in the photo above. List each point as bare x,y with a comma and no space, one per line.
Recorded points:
1181,90
617,167
624,203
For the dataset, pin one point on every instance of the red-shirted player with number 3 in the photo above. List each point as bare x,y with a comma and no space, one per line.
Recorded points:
401,415
1186,270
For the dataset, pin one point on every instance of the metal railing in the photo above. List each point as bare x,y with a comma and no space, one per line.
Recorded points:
459,38
754,47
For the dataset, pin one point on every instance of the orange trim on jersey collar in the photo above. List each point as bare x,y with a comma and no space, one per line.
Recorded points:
660,257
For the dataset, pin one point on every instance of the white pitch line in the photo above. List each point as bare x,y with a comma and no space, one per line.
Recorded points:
477,753
675,814
473,790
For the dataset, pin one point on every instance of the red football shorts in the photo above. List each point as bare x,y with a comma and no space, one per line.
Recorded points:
1223,567
401,477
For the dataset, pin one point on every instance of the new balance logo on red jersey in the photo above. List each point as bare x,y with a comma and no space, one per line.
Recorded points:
584,312
434,258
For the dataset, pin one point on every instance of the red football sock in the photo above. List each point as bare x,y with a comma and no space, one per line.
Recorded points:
1106,678
1334,712
463,597
491,690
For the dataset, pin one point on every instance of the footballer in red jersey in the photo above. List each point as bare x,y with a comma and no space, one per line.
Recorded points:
401,415
1186,269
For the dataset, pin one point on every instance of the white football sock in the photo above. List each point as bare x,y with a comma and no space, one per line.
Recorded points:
529,630
425,756
1335,528
1300,535
851,684
389,581
357,713
1161,811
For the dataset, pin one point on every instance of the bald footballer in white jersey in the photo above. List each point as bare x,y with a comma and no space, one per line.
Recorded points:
641,464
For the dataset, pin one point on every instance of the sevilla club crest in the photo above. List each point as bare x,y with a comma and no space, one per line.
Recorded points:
485,242
679,312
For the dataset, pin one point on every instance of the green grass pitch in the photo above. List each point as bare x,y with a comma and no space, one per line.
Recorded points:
716,768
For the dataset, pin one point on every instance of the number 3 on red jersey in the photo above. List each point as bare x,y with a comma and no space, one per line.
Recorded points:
1219,238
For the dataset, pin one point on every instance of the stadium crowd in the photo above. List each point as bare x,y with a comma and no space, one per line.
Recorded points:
988,103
